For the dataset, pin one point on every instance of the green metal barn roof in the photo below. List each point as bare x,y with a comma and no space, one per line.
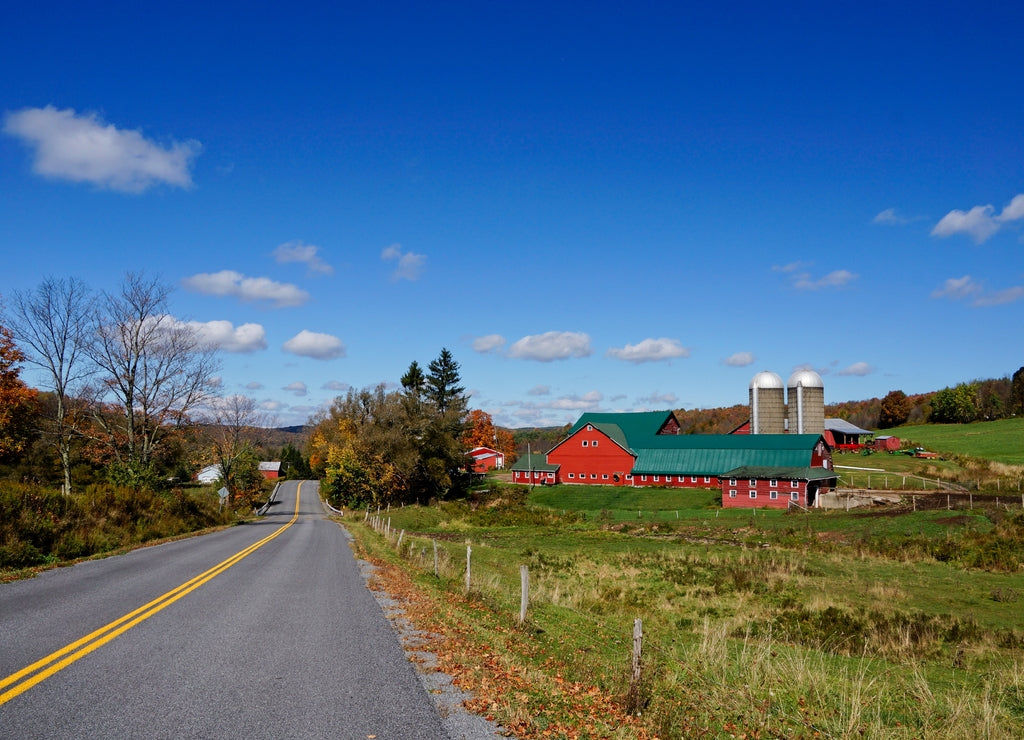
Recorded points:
635,426
716,454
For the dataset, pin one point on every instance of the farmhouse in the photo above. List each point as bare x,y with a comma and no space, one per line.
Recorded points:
210,474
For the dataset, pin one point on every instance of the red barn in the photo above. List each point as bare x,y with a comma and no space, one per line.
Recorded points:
886,443
775,488
485,458
638,449
270,470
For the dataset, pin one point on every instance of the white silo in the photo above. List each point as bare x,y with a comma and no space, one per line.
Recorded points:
767,404
806,396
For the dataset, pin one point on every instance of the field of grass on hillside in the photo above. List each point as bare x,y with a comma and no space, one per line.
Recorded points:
1001,441
875,624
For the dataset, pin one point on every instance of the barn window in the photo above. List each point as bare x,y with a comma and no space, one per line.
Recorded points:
551,476
604,476
753,481
594,443
594,476
584,443
655,478
572,476
794,484
732,494
773,495
773,483
590,427
753,494
795,496
732,481
707,478
629,476
693,479
643,478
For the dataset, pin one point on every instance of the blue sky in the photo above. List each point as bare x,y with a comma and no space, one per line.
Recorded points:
624,207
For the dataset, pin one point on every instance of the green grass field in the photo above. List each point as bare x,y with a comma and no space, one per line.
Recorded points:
821,624
1001,441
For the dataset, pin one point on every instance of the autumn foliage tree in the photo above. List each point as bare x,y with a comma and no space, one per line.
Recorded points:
895,410
481,432
18,402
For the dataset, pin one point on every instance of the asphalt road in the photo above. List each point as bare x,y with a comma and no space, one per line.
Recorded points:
283,640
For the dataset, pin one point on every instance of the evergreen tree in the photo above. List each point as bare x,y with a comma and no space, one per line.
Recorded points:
442,385
1016,405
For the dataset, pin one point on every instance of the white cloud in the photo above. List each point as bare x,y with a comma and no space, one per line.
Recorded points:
224,335
216,381
650,350
659,400
791,267
297,388
976,223
489,343
966,287
889,217
1014,211
1001,297
81,148
254,385
539,390
250,289
335,385
740,359
409,266
835,279
586,402
550,346
957,288
980,223
296,251
857,369
313,344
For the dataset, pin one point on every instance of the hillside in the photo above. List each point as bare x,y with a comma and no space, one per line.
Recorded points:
1001,441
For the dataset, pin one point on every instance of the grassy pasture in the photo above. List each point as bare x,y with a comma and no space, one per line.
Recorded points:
828,624
1001,441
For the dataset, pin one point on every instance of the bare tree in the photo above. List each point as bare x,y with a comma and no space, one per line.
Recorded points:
234,427
52,327
153,368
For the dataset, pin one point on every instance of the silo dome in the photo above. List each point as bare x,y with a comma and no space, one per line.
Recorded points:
805,379
766,379
767,404
806,396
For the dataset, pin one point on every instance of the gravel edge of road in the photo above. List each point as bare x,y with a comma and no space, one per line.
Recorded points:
458,722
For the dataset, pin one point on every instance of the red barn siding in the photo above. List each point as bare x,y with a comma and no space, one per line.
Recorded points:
535,477
763,488
590,456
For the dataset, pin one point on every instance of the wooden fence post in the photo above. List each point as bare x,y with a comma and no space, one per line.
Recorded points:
401,536
524,598
638,642
469,555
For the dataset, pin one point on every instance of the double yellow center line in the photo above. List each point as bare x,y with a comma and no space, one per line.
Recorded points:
57,661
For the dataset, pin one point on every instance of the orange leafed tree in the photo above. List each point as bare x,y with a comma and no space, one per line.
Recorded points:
18,402
481,432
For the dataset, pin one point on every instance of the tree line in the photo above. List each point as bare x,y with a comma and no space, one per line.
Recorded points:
125,389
